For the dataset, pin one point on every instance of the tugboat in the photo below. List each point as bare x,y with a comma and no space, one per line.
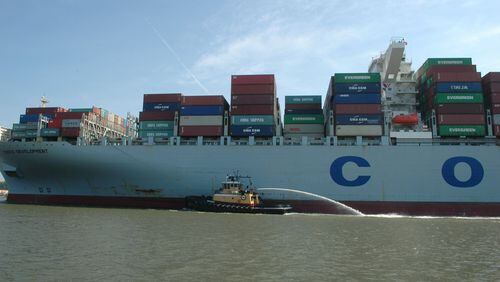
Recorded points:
233,198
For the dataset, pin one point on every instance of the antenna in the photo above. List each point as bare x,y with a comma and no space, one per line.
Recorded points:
43,101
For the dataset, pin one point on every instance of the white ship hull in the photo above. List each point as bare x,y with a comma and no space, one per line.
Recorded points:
436,180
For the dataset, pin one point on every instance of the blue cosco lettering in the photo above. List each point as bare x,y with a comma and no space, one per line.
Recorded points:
338,176
448,172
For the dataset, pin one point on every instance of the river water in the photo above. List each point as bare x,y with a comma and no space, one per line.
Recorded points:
70,243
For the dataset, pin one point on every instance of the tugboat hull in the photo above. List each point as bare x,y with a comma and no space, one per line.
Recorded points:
207,205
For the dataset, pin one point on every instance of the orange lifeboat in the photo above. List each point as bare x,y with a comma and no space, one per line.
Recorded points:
411,119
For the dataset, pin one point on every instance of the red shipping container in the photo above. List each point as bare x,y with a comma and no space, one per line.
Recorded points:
48,111
252,79
252,99
456,77
450,68
303,107
252,89
153,116
491,77
55,123
491,87
459,108
494,98
252,109
353,109
205,100
69,115
461,119
495,109
70,132
193,131
162,98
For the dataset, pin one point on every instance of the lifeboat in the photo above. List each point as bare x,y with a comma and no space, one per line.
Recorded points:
411,119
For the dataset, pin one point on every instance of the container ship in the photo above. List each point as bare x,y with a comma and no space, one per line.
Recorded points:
387,141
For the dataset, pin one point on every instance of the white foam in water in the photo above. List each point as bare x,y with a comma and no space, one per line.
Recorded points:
354,211
431,217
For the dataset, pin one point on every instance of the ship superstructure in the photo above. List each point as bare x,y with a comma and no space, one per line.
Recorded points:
399,93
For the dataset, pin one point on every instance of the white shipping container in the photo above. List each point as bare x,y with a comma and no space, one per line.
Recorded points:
201,121
496,119
304,128
358,130
71,123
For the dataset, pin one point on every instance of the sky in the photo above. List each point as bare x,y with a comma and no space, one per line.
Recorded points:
109,53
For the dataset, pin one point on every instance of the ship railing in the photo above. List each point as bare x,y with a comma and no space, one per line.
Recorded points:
211,141
284,141
239,142
264,142
313,141
466,141
446,142
162,141
251,141
292,142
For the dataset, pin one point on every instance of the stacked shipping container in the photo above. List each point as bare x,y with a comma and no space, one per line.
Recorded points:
491,88
28,122
202,116
303,117
158,115
70,123
452,88
65,123
355,99
254,106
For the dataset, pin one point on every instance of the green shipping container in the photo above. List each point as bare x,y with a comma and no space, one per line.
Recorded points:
155,133
18,134
19,127
461,130
156,125
31,133
81,110
444,61
458,98
304,119
303,99
49,132
252,120
357,77
423,78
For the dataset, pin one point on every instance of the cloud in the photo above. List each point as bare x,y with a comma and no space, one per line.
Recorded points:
277,43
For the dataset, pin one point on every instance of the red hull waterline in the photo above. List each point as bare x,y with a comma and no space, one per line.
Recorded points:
300,206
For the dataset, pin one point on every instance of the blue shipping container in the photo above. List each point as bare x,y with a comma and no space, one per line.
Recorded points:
202,110
358,119
32,118
160,107
254,130
304,111
360,88
357,99
458,87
